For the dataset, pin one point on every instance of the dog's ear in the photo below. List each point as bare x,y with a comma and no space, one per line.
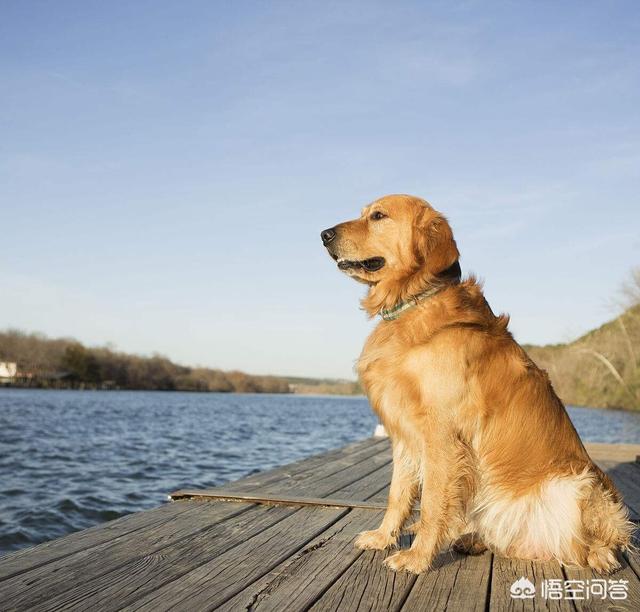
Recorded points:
434,245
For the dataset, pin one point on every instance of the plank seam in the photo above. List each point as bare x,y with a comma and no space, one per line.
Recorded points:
487,604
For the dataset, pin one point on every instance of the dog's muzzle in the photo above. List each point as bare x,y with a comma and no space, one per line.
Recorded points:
372,264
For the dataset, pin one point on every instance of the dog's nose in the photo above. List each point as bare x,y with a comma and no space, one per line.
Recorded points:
327,236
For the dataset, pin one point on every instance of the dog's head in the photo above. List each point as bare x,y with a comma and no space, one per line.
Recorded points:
398,245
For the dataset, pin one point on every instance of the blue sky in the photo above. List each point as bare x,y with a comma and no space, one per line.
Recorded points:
166,167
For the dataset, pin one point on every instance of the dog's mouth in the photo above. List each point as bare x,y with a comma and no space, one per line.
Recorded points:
373,264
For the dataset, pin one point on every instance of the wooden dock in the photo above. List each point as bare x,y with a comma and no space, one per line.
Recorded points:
266,543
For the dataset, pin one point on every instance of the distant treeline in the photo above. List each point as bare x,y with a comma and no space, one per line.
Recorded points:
325,386
66,363
602,368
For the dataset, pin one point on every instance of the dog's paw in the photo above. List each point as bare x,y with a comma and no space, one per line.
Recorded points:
469,544
375,540
407,561
603,560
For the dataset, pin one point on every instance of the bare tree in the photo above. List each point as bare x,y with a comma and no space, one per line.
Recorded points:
631,289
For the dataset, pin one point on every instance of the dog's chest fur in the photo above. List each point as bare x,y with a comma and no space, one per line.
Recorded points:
412,370
385,369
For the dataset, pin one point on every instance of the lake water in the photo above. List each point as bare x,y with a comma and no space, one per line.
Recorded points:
72,459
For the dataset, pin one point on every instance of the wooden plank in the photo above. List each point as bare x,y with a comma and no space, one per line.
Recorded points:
331,462
456,582
298,582
212,583
333,484
367,585
28,558
372,487
632,557
302,579
250,562
383,494
218,553
506,571
324,475
613,452
49,585
126,563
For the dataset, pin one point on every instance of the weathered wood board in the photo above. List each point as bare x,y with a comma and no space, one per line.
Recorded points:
283,540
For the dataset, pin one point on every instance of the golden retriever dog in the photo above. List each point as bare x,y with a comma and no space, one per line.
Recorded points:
477,431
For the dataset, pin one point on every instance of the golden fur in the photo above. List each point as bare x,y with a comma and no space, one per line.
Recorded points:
478,433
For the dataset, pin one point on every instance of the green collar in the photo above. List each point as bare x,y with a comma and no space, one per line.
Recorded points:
390,314
450,276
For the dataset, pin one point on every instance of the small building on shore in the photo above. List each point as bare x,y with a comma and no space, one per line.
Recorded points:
8,371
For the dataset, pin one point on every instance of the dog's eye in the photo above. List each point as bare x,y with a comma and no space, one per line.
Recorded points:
376,216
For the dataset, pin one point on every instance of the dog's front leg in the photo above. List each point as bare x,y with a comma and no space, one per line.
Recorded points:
402,494
431,529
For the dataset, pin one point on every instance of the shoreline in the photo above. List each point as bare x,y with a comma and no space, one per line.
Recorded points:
190,391
284,394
